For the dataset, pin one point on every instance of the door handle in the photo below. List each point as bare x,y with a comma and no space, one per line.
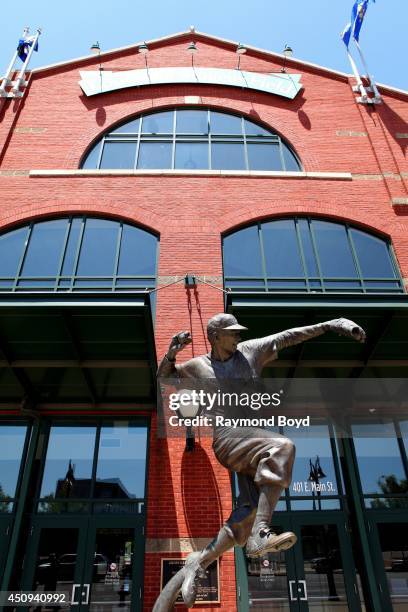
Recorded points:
83,593
303,583
298,596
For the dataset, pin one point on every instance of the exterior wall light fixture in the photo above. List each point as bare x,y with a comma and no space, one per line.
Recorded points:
192,48
144,50
241,49
287,52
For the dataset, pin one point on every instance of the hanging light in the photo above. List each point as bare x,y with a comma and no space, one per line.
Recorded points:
95,48
192,48
241,49
287,52
144,50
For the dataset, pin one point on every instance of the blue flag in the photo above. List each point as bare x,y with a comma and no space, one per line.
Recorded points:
357,17
24,45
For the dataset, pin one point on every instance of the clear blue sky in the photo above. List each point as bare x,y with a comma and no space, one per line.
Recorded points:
311,27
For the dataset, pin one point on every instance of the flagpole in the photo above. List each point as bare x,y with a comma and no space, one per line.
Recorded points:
16,87
6,79
357,76
372,82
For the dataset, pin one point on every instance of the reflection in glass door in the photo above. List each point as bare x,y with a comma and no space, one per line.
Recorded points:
109,570
268,580
393,540
55,561
316,575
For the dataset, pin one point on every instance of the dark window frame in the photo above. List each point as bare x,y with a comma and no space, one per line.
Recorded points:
173,138
74,282
308,283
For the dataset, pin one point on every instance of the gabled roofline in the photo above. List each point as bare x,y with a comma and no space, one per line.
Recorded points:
225,41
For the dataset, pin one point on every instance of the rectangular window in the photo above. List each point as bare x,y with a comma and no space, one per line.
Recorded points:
227,156
154,155
118,155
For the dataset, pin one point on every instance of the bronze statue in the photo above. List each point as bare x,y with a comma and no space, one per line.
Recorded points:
262,459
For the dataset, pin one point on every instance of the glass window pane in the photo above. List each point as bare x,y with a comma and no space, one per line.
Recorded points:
291,163
137,252
158,123
222,123
118,155
45,248
314,458
373,255
227,156
191,155
91,160
334,250
98,250
132,127
11,250
12,439
264,156
252,129
121,467
192,122
242,253
282,255
154,155
307,245
68,463
379,459
71,248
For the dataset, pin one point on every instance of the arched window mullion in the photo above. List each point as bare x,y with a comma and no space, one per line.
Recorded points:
23,256
316,253
302,255
78,253
102,144
63,252
117,255
355,258
263,259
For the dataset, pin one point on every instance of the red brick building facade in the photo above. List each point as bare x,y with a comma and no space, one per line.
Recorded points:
354,170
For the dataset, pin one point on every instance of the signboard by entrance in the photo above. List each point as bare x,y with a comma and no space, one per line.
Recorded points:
208,587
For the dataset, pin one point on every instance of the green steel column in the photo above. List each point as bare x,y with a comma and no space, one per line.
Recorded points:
21,505
370,569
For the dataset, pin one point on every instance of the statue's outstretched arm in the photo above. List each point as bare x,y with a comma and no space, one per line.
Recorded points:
269,346
296,335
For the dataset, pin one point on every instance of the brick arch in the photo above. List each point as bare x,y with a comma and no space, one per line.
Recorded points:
37,213
266,108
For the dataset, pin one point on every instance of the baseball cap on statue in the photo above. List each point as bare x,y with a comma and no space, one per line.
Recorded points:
223,321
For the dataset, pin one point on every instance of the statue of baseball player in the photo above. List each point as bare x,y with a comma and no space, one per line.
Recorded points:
262,459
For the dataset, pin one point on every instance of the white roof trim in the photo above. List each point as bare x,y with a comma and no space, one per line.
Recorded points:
212,37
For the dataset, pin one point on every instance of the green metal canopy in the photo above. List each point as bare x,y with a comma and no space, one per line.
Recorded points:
77,349
383,316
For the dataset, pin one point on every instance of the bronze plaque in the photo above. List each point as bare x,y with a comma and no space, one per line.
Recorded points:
208,587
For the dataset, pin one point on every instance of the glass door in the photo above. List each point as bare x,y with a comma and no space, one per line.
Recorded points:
113,571
390,550
54,561
326,579
316,575
5,531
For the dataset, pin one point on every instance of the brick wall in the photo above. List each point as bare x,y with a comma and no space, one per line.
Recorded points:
55,123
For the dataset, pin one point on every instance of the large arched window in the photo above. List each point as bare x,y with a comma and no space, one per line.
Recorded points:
77,254
311,255
187,139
